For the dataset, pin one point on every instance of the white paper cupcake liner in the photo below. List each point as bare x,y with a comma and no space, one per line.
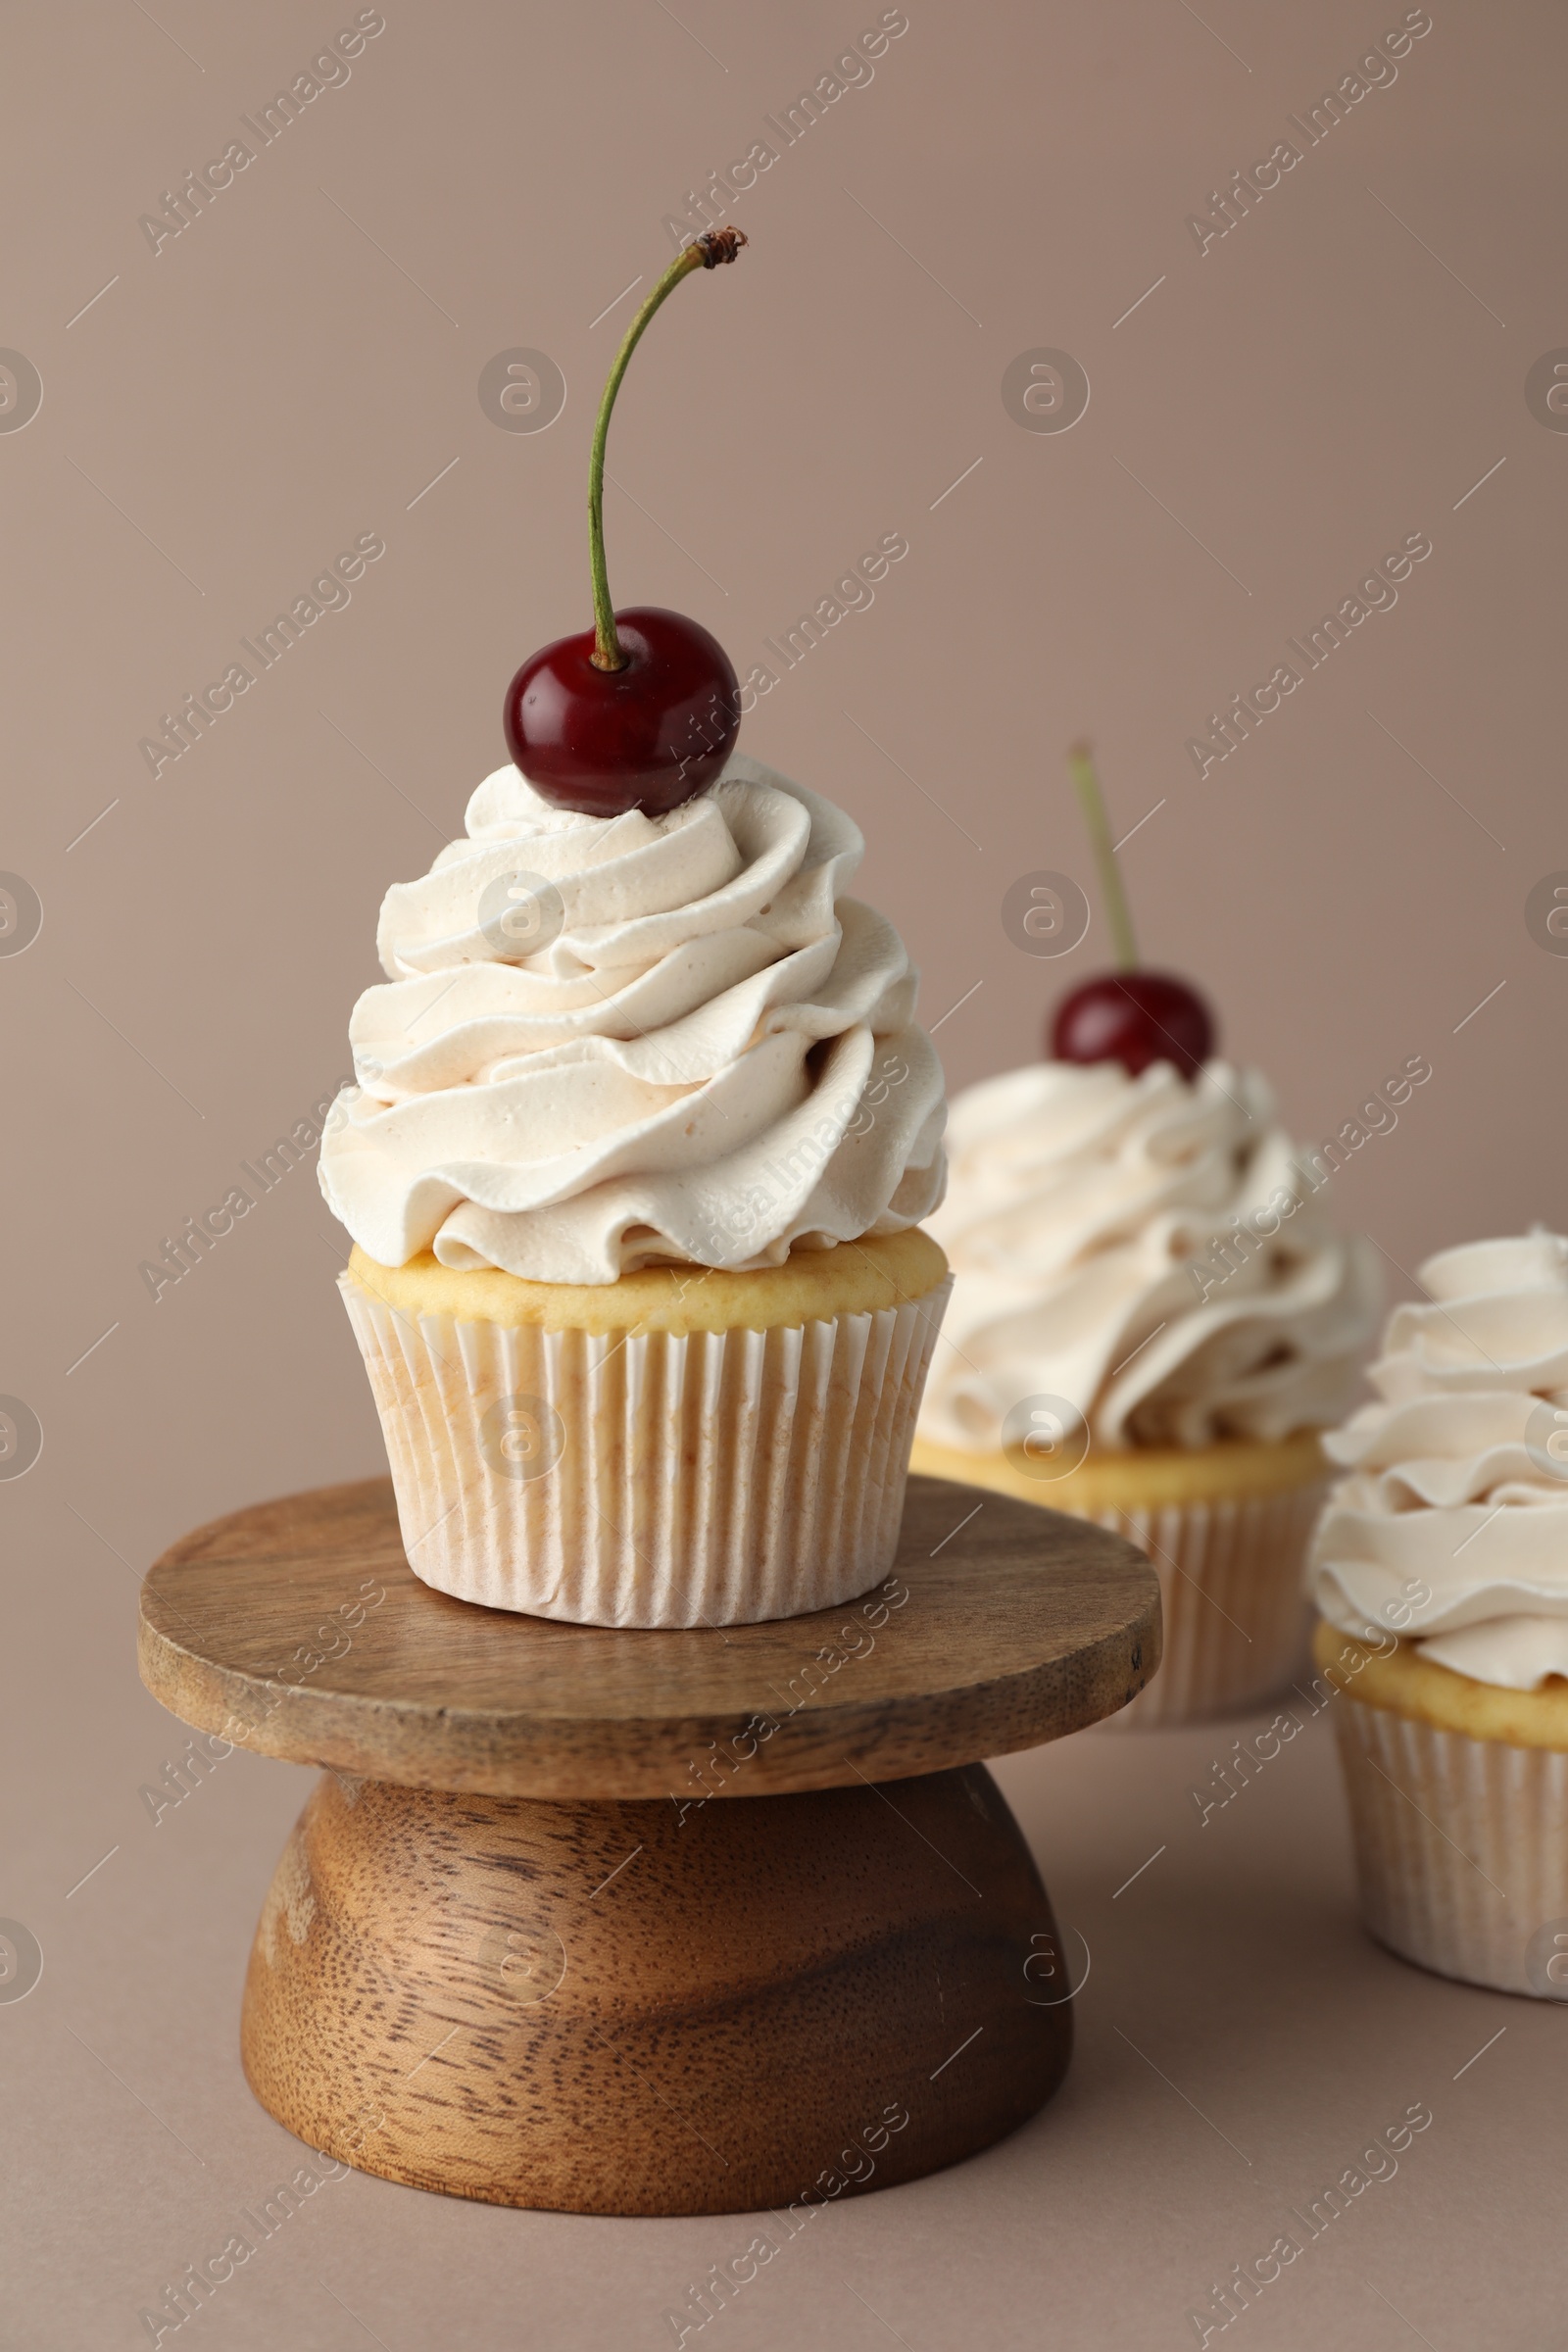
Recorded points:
1462,1849
648,1479
1236,1620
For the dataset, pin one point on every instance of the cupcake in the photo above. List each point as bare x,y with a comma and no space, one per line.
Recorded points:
1153,1314
642,1127
1441,1570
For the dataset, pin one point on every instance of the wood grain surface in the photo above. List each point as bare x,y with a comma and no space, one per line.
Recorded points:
628,2008
297,1628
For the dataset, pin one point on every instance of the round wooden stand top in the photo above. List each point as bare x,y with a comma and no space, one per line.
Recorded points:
298,1629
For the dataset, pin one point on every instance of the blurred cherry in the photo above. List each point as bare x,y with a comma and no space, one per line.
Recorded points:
1132,1015
1134,1018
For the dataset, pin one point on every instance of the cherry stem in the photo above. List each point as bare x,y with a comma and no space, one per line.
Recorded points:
705,253
1086,783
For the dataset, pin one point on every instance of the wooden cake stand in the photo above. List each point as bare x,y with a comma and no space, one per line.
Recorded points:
651,1923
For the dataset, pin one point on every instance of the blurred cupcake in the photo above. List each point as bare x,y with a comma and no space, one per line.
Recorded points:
1151,1318
1444,1557
642,1126
1152,1314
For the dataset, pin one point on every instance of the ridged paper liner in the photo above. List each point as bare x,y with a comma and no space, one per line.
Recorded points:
1462,1849
1231,1591
653,1479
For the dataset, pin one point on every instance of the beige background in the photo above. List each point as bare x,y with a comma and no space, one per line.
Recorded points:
294,370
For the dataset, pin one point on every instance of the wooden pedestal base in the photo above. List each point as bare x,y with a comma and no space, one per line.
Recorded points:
502,1960
624,2008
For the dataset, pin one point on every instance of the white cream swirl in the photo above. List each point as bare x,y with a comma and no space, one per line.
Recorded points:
1145,1248
704,1053
1452,1526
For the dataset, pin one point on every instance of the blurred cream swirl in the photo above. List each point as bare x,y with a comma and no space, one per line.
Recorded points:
611,1042
1080,1201
1452,1526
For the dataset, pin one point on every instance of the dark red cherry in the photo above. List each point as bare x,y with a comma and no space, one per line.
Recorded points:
648,736
1134,1018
